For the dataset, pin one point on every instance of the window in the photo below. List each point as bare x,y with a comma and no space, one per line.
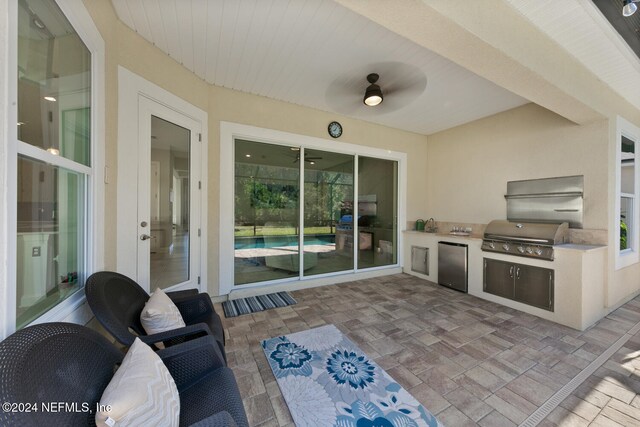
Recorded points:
55,178
627,185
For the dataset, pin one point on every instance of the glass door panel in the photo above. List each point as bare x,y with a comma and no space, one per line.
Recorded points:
266,232
377,212
328,212
169,204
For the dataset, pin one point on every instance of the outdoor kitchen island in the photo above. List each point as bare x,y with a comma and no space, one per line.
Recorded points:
579,284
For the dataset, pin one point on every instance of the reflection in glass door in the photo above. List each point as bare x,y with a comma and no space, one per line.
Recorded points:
169,230
328,212
377,212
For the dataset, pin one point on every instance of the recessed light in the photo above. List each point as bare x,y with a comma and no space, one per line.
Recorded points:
50,99
247,155
54,151
313,163
20,123
295,148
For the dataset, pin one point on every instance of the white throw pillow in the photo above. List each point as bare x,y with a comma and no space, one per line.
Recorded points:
141,393
160,314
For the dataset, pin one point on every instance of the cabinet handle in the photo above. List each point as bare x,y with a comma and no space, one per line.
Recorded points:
518,273
511,271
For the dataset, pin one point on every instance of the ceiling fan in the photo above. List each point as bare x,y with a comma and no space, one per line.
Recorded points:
307,159
397,83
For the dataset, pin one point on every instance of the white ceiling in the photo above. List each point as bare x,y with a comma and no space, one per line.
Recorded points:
315,53
581,29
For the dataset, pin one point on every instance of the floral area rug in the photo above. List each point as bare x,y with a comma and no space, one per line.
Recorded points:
327,380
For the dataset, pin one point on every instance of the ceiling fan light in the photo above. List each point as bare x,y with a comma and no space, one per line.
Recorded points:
372,99
629,7
373,94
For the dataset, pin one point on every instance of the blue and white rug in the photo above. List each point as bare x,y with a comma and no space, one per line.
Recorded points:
327,380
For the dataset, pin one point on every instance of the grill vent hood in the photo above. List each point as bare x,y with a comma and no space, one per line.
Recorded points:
547,200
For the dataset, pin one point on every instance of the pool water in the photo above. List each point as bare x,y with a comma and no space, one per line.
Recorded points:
258,242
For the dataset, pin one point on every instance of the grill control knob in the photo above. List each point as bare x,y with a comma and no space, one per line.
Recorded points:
491,245
520,249
528,250
505,247
538,251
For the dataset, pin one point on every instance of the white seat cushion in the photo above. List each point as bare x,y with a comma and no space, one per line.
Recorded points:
160,314
141,393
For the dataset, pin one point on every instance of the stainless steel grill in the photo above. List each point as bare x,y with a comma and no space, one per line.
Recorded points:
524,238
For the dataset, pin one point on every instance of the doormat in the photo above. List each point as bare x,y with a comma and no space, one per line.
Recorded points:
326,380
238,307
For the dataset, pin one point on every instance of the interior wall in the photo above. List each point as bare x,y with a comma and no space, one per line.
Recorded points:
469,166
124,47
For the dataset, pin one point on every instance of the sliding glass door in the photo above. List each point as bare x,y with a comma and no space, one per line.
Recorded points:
267,189
328,212
377,212
278,188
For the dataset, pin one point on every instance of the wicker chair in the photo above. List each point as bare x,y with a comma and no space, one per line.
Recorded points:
117,302
68,363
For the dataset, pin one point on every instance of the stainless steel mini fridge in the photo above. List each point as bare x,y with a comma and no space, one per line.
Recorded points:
453,265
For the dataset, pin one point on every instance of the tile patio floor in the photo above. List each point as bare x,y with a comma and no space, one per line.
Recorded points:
469,361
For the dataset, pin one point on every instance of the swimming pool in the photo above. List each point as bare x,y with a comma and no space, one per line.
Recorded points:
258,241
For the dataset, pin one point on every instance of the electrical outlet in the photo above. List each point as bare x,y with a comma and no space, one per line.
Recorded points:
35,251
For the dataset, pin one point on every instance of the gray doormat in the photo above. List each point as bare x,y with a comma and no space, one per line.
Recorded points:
238,307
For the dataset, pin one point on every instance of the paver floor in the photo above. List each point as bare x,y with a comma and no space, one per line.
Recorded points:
469,361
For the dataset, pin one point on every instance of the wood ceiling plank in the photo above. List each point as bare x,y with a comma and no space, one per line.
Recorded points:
140,21
186,25
156,25
171,28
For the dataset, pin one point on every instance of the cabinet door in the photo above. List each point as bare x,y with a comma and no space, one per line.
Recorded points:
534,286
498,278
420,259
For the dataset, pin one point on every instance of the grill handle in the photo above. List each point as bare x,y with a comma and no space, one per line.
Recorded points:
544,195
518,239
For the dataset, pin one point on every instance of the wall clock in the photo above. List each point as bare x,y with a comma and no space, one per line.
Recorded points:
335,129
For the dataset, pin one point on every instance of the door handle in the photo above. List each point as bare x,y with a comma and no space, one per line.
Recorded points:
146,237
511,271
518,273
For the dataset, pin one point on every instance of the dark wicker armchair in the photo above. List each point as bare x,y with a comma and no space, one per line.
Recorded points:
71,364
117,302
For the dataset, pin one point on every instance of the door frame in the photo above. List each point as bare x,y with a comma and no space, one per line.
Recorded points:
131,89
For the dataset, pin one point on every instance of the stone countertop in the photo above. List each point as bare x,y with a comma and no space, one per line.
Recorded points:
445,235
579,247
476,237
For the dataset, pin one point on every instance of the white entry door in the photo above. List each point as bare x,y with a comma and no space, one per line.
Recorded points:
168,198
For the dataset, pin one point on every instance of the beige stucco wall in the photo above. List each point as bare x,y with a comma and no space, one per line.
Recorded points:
125,48
469,166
